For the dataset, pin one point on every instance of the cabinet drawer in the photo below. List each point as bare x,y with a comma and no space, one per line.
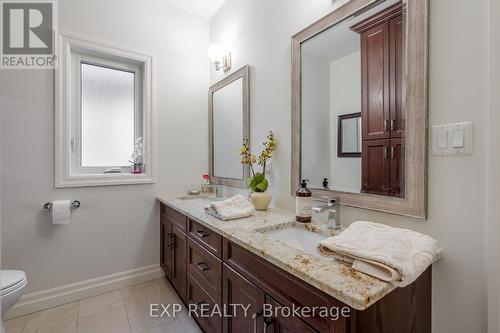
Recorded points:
206,237
280,285
204,307
173,216
205,268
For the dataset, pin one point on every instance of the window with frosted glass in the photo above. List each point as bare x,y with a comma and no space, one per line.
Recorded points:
107,116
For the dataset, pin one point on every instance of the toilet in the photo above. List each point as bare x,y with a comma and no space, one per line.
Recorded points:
12,286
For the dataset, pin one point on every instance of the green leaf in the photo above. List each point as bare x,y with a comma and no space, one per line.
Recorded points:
258,183
262,186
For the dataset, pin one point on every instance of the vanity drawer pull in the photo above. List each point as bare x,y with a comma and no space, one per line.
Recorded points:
202,233
267,323
207,238
393,152
255,317
171,238
202,266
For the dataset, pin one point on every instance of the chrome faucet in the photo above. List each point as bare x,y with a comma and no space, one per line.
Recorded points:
333,208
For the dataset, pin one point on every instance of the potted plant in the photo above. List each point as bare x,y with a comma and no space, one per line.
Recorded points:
136,157
257,182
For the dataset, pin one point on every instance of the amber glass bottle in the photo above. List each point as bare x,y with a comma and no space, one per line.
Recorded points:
303,203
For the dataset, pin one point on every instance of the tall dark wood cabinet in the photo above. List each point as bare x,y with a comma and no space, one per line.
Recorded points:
383,95
376,166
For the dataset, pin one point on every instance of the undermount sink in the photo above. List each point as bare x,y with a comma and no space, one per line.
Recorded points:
298,238
199,197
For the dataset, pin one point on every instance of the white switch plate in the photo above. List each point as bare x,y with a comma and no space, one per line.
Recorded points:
452,139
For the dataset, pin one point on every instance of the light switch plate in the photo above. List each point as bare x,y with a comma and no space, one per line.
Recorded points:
452,139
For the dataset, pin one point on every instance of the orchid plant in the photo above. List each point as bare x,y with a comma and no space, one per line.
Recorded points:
258,181
136,158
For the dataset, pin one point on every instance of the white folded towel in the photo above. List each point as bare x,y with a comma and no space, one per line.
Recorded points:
233,208
390,254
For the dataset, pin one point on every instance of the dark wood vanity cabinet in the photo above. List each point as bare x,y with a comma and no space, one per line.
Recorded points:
166,248
173,248
215,273
179,240
238,290
383,92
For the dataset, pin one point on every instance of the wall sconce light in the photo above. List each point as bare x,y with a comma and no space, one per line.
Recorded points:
220,57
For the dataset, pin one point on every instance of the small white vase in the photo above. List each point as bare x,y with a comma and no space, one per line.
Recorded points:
260,200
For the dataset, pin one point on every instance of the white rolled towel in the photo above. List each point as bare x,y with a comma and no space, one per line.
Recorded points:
233,208
390,254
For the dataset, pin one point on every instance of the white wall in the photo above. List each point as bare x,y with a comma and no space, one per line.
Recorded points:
345,97
316,149
493,227
258,33
116,228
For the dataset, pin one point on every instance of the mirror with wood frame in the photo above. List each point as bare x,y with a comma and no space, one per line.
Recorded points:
359,103
229,128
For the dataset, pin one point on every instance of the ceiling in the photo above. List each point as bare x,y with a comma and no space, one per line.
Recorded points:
202,8
339,40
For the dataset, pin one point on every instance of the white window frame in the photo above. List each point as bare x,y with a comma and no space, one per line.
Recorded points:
76,143
73,51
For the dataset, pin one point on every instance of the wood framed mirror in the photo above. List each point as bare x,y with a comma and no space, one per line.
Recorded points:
349,135
368,55
229,128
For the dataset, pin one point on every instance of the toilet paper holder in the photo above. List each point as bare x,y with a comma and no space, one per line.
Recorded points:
74,204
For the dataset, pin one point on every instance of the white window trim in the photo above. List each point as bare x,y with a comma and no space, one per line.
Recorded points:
64,91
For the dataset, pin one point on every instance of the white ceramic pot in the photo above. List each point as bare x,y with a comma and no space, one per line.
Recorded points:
260,200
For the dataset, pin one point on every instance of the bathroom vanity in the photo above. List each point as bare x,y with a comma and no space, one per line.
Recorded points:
213,264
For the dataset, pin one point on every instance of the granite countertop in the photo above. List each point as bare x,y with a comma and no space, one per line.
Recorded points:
333,277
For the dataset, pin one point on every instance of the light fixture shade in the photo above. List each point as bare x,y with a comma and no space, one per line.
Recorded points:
215,53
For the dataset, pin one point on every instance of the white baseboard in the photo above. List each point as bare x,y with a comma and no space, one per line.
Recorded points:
45,299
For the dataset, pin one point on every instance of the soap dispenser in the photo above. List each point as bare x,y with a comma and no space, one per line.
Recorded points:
303,203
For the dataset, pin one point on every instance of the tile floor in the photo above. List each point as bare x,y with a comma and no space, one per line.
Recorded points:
122,311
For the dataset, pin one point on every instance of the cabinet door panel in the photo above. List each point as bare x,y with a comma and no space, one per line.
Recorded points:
398,167
375,82
165,249
238,290
179,261
397,68
376,167
203,308
284,324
